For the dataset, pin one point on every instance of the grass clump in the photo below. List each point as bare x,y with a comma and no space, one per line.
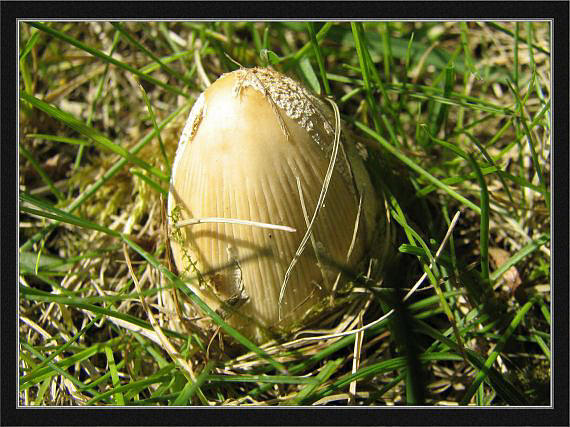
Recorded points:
454,117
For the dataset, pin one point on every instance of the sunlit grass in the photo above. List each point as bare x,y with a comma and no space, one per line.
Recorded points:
455,117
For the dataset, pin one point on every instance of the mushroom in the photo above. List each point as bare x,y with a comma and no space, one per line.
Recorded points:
246,181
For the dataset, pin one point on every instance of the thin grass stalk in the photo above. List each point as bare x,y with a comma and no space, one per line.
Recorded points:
357,32
118,26
387,50
320,59
484,226
185,396
156,130
43,175
97,97
510,33
516,57
119,398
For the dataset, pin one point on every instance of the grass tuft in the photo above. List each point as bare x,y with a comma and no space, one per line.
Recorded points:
453,117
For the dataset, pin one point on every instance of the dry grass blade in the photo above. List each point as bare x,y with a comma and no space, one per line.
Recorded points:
313,242
356,360
410,292
320,202
201,72
195,221
164,341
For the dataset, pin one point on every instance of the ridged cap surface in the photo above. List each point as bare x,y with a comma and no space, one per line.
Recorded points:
248,137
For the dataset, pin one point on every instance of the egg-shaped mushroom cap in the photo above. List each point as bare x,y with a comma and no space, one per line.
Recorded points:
250,137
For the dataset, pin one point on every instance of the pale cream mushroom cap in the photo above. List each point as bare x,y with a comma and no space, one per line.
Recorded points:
247,139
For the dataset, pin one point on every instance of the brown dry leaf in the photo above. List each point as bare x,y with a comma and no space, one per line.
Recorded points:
511,277
56,165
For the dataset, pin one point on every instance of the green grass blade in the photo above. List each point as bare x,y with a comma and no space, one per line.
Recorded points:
119,398
485,171
57,138
293,58
484,225
386,49
519,256
24,69
36,295
361,48
153,184
147,69
545,309
29,45
531,144
155,379
306,393
378,368
320,58
543,346
43,175
97,97
184,398
147,52
516,56
271,379
310,76
510,33
464,30
441,119
156,130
